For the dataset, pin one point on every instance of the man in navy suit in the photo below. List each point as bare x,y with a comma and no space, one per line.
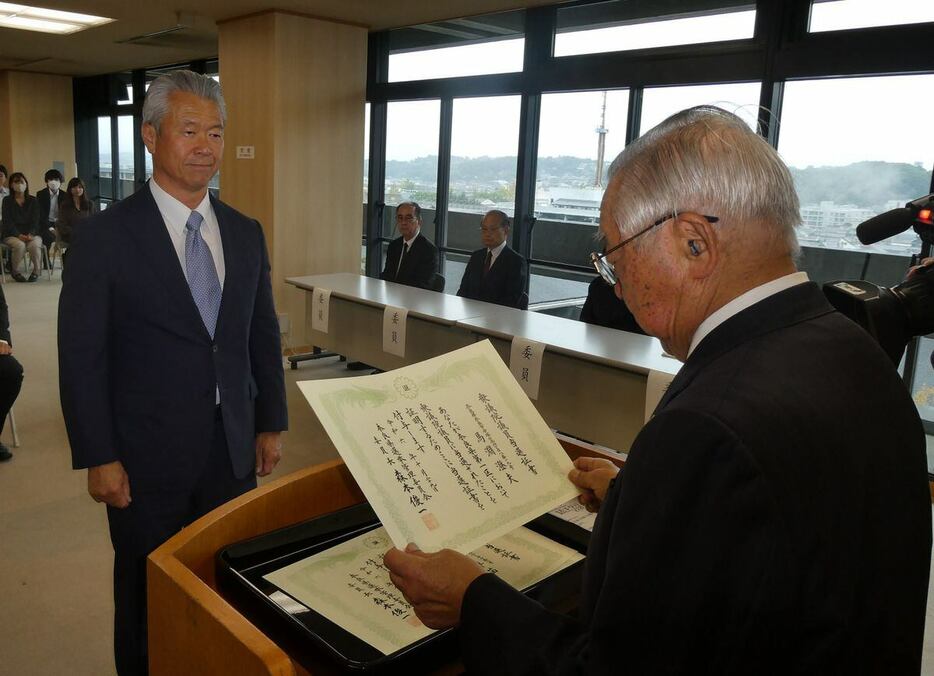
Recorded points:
495,273
773,516
410,259
170,363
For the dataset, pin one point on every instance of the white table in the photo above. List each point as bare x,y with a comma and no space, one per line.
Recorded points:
593,378
355,326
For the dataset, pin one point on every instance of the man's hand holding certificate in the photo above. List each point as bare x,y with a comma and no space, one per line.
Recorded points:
453,458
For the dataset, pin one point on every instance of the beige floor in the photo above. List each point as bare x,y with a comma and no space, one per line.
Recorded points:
55,556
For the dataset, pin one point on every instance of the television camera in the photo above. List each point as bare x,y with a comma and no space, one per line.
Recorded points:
893,316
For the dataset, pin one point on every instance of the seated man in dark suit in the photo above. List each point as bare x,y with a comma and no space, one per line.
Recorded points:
495,273
411,259
11,373
773,516
49,198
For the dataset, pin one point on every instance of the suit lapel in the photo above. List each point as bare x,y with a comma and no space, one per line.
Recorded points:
392,258
404,264
232,252
412,254
152,236
500,263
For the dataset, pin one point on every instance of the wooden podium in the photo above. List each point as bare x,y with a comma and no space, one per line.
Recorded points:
192,627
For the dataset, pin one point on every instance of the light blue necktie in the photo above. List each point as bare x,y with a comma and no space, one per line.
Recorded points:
202,275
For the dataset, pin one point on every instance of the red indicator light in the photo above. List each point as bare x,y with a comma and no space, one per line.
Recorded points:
925,216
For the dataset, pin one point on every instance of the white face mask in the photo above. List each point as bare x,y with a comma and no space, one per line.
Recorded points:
55,185
19,187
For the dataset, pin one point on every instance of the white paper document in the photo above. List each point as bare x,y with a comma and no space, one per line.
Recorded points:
394,319
321,310
449,452
525,362
576,513
349,585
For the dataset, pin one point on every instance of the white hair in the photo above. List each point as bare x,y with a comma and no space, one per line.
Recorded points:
709,161
156,104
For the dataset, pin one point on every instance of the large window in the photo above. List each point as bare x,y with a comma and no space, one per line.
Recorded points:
579,135
850,114
366,181
479,45
115,175
126,184
412,129
484,141
105,162
621,25
503,56
660,102
922,390
857,147
847,14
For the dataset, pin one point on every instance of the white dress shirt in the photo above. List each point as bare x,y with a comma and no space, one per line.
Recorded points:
408,242
175,215
53,205
495,252
744,301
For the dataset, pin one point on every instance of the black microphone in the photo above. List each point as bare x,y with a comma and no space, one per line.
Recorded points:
885,225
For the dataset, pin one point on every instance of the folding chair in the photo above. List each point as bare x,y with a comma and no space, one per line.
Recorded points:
12,420
57,251
6,259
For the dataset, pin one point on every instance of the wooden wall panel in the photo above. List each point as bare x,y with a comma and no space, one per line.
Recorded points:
41,125
6,146
296,89
246,61
319,152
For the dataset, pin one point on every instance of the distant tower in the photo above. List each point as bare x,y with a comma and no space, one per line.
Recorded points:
601,144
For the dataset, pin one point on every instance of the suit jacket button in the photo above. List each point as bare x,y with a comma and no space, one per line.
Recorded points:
214,348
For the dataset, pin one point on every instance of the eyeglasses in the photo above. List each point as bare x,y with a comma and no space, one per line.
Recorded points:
607,270
406,218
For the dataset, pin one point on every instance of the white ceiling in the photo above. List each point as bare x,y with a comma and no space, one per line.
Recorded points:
99,50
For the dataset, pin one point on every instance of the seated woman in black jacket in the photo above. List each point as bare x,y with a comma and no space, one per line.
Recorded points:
73,208
21,227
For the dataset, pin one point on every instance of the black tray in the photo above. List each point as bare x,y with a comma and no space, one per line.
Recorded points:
306,634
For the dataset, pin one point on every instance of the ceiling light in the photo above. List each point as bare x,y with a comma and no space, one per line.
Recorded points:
28,18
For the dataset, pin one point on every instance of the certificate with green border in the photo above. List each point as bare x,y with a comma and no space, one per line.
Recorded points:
349,585
449,452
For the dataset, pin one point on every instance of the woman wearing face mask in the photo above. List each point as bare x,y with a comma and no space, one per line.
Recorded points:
74,206
21,227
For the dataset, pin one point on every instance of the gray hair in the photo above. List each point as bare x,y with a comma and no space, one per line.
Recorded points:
156,104
706,160
502,218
